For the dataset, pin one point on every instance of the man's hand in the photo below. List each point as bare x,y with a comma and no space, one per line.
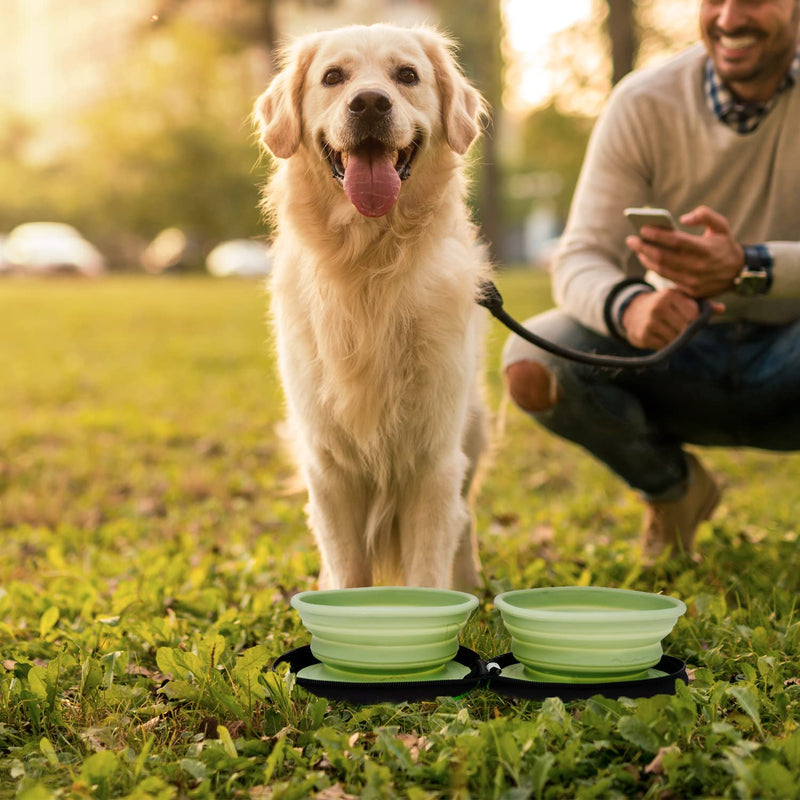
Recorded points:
700,266
653,319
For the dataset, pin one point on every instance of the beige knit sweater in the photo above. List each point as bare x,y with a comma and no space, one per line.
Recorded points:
657,143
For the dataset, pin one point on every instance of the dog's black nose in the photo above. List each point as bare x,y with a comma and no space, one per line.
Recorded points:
371,105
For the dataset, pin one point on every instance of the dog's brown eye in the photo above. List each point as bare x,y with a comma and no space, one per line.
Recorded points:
333,77
407,75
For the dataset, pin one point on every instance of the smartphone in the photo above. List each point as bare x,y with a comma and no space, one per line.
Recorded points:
650,217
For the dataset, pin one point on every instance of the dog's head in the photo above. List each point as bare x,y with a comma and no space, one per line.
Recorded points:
364,102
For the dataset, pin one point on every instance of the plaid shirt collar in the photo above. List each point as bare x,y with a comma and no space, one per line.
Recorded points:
742,117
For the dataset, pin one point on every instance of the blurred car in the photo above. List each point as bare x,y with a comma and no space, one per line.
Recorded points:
50,247
239,257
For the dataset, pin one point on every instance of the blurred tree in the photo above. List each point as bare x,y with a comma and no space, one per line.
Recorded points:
635,31
171,145
552,145
623,33
253,22
29,191
478,27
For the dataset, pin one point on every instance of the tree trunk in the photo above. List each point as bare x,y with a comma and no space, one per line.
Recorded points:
623,35
478,27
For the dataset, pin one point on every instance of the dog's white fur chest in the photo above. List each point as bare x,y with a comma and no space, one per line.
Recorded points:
389,362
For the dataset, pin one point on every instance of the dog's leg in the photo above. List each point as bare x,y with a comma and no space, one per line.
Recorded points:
467,565
431,522
337,515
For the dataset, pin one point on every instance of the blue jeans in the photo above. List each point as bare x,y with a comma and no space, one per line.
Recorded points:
734,384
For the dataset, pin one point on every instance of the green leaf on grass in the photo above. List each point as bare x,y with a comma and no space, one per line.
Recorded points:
100,767
48,621
247,671
508,752
178,663
254,659
91,676
181,690
791,749
37,682
35,791
316,712
49,752
774,780
197,769
274,759
637,733
279,690
748,701
227,742
541,773
210,650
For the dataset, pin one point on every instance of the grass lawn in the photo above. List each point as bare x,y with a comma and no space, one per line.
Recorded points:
151,540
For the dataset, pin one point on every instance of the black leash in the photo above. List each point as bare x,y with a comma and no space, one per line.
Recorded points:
491,298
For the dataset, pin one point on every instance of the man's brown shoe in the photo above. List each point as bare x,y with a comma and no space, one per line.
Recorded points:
670,526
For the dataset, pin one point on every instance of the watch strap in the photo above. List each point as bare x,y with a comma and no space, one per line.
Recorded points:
757,258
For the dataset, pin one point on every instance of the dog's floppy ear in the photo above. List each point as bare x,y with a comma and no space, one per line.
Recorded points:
278,113
462,105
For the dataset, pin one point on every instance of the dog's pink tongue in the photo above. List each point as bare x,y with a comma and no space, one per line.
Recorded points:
371,181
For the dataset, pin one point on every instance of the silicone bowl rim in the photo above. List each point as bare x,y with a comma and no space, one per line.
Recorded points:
670,606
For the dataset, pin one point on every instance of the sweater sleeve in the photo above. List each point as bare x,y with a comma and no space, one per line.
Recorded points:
785,269
592,258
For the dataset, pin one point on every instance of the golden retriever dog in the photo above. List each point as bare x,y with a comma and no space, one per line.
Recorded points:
376,270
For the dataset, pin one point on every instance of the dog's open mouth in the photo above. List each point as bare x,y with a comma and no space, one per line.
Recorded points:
371,173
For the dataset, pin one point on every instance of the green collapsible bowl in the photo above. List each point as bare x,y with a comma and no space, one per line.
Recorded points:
587,634
380,632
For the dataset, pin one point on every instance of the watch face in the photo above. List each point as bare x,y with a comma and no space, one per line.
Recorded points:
751,283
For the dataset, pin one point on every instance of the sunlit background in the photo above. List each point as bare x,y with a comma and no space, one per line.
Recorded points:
129,120
530,27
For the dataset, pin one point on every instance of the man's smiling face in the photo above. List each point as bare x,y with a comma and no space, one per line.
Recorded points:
751,42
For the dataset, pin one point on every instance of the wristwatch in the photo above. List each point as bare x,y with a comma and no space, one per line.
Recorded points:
756,275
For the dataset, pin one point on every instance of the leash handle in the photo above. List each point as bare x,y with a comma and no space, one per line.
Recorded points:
490,298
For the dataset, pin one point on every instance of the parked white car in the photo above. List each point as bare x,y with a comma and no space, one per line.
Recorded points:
239,257
49,247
